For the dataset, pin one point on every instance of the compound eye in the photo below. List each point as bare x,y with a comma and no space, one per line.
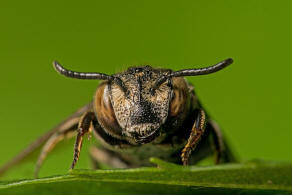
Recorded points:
176,103
179,97
105,112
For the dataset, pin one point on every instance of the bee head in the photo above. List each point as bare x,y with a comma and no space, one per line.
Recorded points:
140,112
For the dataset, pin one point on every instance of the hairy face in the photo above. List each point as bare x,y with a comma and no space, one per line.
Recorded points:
140,114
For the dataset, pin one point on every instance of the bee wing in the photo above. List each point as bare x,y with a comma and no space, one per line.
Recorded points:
68,123
221,145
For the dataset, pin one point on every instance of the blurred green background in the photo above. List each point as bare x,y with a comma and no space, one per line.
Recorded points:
250,99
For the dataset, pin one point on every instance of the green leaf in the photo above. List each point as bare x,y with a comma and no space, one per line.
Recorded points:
254,177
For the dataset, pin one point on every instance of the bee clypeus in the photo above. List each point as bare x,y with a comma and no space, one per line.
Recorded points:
139,113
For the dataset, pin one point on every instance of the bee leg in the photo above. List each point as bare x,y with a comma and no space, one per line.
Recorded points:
50,145
83,128
70,122
106,157
222,151
195,136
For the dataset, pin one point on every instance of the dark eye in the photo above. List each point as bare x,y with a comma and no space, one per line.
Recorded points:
139,70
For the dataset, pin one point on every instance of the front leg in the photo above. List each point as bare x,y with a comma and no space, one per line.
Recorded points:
195,136
83,128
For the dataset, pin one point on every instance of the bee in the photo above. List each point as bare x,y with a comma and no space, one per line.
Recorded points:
140,113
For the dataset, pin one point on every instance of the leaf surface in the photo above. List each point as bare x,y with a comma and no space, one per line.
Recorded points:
254,177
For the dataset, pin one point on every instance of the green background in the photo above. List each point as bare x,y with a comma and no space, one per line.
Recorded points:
250,99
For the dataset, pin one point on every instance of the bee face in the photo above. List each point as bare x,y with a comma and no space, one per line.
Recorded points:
140,113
